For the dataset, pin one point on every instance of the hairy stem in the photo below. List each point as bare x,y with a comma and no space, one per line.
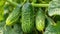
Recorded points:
40,5
33,4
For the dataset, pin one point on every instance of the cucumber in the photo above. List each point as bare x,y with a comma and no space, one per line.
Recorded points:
40,20
13,17
27,18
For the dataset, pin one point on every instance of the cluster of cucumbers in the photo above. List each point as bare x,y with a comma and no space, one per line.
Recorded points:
27,18
28,22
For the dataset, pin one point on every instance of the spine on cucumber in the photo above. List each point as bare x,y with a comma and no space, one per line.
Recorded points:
40,20
27,17
13,17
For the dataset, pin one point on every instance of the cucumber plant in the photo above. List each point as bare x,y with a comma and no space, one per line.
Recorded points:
29,16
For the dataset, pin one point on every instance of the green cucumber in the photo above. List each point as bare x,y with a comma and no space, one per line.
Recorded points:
13,17
27,17
40,20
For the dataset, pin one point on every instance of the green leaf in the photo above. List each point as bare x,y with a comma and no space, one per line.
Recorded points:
1,14
50,21
16,29
18,1
1,27
54,8
8,8
47,1
51,29
1,30
8,28
2,2
2,24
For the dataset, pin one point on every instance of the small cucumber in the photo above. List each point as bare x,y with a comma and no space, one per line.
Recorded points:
40,20
13,17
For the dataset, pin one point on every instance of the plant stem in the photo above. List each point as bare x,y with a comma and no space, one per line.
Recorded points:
40,5
33,4
14,3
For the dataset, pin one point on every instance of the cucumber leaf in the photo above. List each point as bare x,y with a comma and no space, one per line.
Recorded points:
1,14
54,8
16,29
50,29
2,2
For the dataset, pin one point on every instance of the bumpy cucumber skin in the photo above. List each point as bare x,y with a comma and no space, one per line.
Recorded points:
40,20
13,17
27,18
